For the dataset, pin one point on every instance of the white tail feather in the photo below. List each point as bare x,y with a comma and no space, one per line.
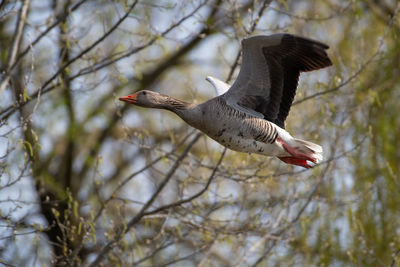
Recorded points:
311,149
312,146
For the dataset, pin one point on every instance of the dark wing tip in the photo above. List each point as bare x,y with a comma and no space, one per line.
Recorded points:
295,54
304,53
306,40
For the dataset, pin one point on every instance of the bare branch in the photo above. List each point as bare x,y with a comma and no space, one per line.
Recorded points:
16,43
189,199
142,211
363,66
59,19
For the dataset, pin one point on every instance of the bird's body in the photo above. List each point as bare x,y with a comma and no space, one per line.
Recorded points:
234,128
250,116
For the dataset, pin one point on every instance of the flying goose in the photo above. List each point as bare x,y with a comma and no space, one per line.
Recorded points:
250,116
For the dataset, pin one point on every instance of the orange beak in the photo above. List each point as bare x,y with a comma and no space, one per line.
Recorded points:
129,98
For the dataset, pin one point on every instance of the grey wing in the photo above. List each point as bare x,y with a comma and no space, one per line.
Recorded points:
270,70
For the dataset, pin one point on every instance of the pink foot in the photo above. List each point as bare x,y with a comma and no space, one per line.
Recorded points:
298,157
295,161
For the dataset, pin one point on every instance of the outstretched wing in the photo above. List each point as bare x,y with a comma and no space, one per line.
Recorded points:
270,71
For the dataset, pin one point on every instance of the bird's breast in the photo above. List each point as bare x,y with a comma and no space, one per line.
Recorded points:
250,135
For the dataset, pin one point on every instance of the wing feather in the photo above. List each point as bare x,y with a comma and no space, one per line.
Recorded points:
270,71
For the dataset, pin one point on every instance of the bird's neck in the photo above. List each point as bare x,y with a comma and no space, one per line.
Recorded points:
174,105
188,112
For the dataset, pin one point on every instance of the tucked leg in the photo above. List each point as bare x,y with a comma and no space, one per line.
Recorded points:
296,161
298,157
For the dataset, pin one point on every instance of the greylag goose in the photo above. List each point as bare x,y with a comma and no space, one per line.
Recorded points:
250,116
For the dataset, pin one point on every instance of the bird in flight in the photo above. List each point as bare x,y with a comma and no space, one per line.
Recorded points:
250,116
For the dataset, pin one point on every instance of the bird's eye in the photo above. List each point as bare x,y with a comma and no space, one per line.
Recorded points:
144,93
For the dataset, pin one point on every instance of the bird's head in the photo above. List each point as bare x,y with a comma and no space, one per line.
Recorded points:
145,98
150,99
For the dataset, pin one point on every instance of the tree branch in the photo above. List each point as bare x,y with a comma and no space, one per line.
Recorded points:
22,15
69,62
44,33
198,194
141,213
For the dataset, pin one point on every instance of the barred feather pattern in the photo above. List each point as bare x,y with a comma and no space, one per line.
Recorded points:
267,133
260,130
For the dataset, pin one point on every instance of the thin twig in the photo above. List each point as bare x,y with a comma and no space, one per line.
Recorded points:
130,177
44,33
334,14
142,211
198,194
252,29
395,258
46,87
16,44
292,222
363,66
69,62
113,58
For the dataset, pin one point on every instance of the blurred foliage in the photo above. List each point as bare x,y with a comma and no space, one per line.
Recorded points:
97,182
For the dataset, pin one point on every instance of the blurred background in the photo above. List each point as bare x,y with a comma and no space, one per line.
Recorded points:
88,180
